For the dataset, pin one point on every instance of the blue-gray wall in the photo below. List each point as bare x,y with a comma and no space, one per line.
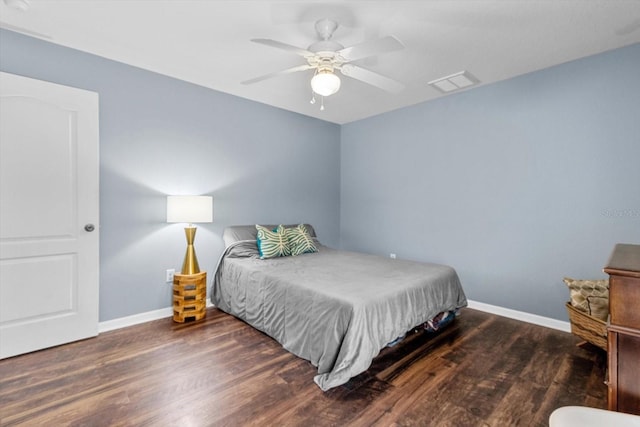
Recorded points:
162,136
515,184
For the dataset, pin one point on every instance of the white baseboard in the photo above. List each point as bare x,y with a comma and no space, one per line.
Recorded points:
547,322
162,313
136,319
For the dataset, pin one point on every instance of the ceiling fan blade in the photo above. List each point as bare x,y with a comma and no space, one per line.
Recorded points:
370,48
629,28
369,77
278,73
289,48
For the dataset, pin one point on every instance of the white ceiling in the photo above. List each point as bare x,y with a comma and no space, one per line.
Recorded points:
207,41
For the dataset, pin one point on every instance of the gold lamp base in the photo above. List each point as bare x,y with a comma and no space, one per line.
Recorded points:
190,264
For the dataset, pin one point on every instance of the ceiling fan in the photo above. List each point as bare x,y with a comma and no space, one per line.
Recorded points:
328,56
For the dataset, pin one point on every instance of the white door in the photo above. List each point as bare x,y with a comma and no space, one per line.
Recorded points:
48,194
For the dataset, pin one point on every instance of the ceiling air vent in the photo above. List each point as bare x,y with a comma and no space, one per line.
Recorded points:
457,81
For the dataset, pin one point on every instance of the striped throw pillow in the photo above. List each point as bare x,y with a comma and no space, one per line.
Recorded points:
272,244
300,240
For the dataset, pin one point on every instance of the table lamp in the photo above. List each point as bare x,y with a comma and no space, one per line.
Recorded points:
190,209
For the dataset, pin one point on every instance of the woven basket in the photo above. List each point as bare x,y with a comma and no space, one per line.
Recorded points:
588,328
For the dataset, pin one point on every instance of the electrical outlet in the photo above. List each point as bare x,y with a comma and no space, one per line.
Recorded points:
170,273
392,256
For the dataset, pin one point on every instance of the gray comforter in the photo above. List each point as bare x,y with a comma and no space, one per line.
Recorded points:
334,308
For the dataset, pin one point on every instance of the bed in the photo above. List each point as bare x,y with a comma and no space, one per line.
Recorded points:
336,309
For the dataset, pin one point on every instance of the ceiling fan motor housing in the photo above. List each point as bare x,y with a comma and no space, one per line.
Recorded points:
325,46
325,28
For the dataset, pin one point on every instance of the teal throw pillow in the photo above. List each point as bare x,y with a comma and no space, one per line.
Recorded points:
272,244
300,241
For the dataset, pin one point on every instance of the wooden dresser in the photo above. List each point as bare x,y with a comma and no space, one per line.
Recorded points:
624,329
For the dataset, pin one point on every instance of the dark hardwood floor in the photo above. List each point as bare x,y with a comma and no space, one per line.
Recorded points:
484,370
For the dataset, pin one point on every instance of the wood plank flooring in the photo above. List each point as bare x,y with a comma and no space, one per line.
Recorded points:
484,370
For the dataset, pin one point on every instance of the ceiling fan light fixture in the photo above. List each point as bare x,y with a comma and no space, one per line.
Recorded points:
325,83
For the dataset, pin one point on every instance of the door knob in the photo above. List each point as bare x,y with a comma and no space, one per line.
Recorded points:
89,227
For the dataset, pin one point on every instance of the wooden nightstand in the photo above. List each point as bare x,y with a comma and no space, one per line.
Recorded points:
189,296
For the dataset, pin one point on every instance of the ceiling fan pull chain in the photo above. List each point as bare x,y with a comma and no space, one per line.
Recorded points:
322,103
313,94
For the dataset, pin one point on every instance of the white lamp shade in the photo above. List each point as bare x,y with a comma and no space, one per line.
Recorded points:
189,209
325,83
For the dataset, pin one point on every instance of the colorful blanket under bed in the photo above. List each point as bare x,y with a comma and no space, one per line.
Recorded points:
440,321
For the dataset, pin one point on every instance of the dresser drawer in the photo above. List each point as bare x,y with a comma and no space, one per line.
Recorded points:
624,296
624,371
